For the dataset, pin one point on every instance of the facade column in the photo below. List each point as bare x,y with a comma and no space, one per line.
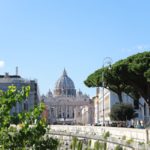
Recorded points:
61,108
74,114
66,111
56,112
72,111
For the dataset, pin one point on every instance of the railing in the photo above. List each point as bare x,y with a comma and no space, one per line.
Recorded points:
111,140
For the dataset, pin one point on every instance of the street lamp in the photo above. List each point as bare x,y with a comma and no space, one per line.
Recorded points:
106,61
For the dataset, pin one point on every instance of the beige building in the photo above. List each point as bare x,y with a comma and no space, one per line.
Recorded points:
111,98
66,106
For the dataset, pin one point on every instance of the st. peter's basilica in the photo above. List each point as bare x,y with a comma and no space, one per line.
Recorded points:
67,106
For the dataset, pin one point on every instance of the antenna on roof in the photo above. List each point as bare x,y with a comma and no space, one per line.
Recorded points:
16,70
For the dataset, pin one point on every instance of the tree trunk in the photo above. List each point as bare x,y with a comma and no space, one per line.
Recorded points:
120,97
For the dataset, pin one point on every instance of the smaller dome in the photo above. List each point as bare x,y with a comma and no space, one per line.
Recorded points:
79,93
49,94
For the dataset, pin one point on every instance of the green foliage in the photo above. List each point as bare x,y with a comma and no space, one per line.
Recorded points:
122,112
89,145
102,146
124,137
130,75
106,135
15,119
30,131
105,146
9,99
98,146
129,141
74,143
118,147
46,143
79,145
141,143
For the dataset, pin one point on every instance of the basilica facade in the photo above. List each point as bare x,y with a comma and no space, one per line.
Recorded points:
67,106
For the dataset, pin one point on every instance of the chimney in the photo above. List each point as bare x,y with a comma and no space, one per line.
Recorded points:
97,91
6,75
17,71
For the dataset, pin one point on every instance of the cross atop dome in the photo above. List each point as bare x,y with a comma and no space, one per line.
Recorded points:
64,72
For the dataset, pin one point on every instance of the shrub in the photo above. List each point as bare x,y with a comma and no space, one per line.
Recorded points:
118,147
22,136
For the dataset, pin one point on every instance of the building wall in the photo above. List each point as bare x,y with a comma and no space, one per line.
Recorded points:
111,98
33,99
70,110
66,105
96,109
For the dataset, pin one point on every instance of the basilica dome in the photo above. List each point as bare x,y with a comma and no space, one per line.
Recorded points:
64,86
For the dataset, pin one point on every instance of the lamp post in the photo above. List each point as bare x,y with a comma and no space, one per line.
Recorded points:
106,61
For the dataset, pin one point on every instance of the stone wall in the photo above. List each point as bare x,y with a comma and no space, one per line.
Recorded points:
142,135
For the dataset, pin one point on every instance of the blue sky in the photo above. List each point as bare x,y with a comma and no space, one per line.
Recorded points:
44,37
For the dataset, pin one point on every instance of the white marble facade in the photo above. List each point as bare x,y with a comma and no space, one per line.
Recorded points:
65,105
